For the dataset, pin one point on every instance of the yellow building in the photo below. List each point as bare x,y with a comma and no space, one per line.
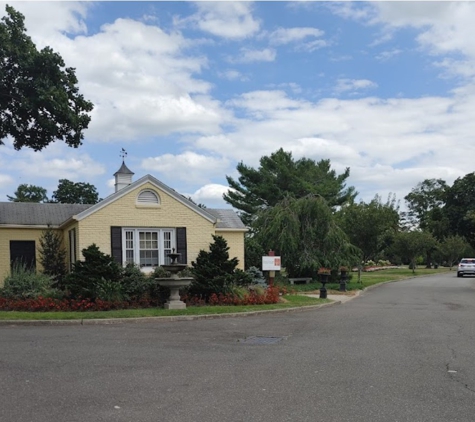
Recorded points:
140,223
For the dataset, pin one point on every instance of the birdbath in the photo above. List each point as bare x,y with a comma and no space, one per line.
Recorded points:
174,282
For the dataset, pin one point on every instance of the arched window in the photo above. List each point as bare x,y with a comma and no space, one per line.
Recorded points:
148,197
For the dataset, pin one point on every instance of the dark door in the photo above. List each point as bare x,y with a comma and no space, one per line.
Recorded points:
24,252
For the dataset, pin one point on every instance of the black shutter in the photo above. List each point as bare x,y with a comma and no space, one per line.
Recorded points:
23,252
181,244
116,244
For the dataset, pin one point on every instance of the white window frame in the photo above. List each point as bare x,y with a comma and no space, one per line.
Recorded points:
131,242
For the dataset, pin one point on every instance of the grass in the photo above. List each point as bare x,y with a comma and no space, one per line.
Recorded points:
371,278
291,301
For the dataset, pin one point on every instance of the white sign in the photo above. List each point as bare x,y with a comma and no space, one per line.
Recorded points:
271,263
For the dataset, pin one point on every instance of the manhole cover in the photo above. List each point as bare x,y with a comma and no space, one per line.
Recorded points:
261,340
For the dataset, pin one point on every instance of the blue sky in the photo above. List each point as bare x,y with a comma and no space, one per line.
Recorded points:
190,89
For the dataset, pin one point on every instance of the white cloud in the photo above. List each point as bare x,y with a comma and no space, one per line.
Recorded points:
250,56
344,85
231,20
232,75
211,194
289,35
388,54
188,166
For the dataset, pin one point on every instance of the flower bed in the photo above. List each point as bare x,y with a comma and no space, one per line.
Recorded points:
378,268
41,304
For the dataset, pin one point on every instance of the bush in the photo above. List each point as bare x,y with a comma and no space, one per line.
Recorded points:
215,273
135,284
257,276
24,283
98,275
52,256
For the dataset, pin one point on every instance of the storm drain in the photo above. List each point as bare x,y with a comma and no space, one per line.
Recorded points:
261,340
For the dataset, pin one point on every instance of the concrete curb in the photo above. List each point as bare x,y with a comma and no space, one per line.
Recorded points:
111,321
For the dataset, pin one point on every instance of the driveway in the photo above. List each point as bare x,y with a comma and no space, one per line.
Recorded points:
401,352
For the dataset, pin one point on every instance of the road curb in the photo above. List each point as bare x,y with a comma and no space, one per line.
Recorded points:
112,321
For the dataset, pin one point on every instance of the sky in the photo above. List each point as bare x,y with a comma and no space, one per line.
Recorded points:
190,89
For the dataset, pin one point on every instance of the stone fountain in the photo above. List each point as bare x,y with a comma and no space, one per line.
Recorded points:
174,282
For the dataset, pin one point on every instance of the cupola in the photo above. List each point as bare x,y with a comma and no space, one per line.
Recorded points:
123,177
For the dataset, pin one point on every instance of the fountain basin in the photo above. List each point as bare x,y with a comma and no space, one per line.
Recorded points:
174,283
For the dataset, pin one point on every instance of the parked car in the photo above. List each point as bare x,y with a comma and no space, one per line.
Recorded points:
466,266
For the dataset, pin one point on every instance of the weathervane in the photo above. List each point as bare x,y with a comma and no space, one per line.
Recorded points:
123,154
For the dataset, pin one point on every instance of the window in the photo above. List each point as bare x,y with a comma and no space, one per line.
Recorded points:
72,247
147,247
23,252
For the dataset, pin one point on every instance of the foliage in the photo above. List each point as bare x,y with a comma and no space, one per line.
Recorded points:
29,193
411,244
39,98
24,283
304,233
280,176
97,275
368,225
257,276
425,203
75,193
53,256
253,251
453,248
215,272
134,283
460,206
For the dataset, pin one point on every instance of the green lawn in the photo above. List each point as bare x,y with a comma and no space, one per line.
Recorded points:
371,278
292,301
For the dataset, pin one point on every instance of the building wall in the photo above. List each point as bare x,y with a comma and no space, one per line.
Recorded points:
124,212
7,234
235,242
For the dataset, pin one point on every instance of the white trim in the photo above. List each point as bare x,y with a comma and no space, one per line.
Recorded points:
217,229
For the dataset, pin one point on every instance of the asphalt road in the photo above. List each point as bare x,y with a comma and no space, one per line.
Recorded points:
404,351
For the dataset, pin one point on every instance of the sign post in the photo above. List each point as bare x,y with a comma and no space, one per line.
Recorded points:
271,263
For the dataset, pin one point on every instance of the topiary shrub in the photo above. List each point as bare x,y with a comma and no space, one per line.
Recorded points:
214,272
95,277
24,283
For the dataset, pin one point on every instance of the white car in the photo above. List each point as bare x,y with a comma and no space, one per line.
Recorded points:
466,266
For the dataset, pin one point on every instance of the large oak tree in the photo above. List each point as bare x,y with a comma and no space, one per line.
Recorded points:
39,99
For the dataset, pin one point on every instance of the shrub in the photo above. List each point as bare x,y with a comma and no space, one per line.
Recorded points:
257,276
52,256
24,283
94,276
134,283
214,272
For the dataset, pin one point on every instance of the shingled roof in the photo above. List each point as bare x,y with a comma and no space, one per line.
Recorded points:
26,213
227,219
33,214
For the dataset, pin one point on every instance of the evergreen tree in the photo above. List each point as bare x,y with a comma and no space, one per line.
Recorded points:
280,176
53,255
214,272
90,277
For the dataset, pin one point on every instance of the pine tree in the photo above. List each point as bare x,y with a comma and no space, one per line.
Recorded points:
53,255
214,272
